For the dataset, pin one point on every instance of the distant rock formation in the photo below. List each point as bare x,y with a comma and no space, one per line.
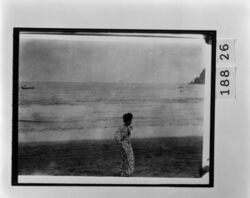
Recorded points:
200,79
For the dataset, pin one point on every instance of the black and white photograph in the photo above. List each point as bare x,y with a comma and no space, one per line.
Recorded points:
113,107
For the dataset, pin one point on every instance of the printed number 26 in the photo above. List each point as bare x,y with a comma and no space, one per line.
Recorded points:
224,48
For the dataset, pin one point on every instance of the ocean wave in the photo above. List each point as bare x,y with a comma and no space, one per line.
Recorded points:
46,129
39,121
110,101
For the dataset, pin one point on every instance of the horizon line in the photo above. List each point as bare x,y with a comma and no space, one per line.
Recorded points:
22,81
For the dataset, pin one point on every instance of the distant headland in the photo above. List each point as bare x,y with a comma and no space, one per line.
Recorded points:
200,79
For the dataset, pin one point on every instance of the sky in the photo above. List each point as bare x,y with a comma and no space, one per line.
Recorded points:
90,58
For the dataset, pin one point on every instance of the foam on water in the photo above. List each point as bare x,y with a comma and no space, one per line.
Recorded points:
68,111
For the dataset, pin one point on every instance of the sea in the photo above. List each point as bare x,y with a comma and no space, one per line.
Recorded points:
66,111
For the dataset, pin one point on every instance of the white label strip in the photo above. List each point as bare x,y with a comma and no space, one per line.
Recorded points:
225,69
225,52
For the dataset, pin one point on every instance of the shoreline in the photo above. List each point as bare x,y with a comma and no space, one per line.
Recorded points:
108,139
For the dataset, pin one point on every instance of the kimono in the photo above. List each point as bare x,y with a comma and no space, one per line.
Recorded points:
127,154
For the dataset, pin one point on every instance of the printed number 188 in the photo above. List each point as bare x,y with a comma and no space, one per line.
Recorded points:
226,82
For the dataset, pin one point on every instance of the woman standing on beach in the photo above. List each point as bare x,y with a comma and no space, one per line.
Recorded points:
122,137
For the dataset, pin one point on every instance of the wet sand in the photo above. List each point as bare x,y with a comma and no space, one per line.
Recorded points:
154,157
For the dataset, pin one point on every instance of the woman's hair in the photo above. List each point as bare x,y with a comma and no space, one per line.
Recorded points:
127,117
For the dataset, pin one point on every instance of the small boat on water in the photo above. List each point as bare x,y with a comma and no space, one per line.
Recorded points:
27,87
